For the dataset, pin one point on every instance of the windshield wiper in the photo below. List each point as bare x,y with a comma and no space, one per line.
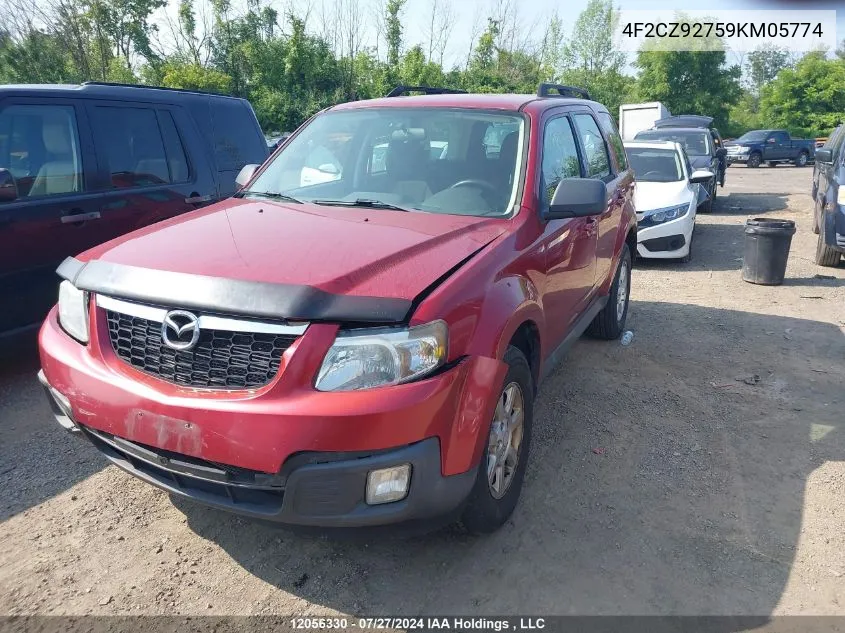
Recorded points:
272,195
362,202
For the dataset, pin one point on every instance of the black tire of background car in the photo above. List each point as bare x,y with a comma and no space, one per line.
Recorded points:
802,160
483,513
606,325
754,160
825,255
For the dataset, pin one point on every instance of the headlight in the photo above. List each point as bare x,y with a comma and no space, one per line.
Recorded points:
385,356
743,150
658,216
840,196
73,311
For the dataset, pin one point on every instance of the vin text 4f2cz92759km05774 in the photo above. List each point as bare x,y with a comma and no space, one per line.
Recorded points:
362,348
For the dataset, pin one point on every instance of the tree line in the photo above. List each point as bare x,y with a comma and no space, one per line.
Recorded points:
291,65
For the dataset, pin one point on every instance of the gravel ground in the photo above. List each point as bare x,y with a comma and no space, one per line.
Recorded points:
697,471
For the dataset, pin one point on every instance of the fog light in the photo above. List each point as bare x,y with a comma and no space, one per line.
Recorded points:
388,484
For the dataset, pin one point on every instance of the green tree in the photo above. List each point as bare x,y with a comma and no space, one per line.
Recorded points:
393,28
764,64
689,82
808,100
590,49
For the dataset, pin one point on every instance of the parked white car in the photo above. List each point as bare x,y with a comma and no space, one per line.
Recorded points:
666,197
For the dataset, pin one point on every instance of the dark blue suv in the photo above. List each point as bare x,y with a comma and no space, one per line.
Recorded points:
829,210
81,165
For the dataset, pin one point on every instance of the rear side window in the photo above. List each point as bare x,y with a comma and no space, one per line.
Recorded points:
236,138
598,162
616,145
560,157
39,146
780,137
130,142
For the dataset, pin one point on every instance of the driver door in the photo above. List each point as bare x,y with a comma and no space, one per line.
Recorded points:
570,244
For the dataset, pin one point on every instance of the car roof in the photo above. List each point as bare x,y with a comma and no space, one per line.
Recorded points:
669,130
509,102
654,144
109,91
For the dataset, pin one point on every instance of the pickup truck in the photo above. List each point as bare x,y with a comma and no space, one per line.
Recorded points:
770,146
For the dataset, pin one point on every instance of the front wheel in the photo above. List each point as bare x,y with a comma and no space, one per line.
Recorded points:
502,470
610,322
802,159
825,255
754,160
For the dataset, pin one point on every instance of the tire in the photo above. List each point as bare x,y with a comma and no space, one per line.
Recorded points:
802,160
771,163
825,255
485,511
754,160
609,324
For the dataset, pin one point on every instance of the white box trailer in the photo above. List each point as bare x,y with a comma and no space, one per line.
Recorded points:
636,117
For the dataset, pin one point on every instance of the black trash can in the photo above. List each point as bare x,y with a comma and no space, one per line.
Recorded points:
766,250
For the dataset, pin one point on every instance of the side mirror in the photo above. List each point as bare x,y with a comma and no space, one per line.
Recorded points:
245,174
824,156
701,175
578,198
8,186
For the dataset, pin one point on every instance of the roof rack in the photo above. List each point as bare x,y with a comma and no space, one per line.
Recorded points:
558,90
399,91
121,85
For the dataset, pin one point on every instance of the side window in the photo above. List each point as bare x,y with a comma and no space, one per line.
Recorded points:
560,157
780,137
615,140
39,146
236,139
598,163
837,142
130,142
378,160
176,159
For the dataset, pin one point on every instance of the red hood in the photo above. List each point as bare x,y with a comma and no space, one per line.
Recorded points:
352,251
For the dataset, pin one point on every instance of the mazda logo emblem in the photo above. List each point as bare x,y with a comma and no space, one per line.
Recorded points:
180,330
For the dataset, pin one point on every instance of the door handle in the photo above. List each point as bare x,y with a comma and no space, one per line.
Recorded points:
77,216
197,199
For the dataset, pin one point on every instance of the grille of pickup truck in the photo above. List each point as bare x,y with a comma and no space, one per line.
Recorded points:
220,359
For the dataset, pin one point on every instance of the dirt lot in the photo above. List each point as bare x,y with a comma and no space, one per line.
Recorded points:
661,481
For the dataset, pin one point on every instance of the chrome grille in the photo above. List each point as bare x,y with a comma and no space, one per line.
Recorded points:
230,353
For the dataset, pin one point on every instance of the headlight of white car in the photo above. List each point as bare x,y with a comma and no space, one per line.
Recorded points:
658,216
369,358
73,311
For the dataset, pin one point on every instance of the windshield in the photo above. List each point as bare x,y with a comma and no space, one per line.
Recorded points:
753,137
655,165
438,160
695,143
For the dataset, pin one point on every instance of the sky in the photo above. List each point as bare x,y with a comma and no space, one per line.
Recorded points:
470,16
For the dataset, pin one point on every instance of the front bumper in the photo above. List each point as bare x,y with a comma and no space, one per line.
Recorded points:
669,240
285,452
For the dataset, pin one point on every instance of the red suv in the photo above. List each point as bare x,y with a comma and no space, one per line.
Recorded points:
357,336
